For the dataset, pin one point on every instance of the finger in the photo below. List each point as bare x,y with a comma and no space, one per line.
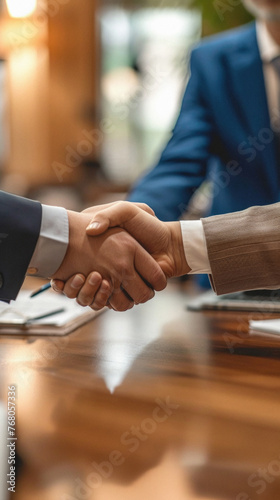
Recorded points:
149,270
145,207
57,285
119,301
91,287
97,208
102,296
100,208
74,284
137,289
115,215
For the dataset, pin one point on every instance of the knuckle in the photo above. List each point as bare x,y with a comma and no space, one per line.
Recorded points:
101,300
80,303
96,307
124,305
100,303
158,280
148,209
71,294
126,272
121,303
145,296
85,300
122,205
119,307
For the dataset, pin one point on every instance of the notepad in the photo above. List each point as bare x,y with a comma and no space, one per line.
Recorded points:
19,317
265,327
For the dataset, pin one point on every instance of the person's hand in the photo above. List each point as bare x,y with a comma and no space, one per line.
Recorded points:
93,291
129,269
88,291
162,240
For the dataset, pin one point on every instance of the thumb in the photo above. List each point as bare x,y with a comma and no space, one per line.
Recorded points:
57,285
118,214
98,225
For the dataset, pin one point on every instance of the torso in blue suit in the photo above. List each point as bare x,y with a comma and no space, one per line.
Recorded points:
223,133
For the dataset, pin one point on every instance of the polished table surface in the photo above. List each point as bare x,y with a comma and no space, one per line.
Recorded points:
157,403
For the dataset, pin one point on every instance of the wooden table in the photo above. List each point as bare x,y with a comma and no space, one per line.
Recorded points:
154,404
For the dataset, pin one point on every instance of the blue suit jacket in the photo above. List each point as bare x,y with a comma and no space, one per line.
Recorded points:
20,222
223,133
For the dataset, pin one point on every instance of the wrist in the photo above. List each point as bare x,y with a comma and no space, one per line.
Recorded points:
77,243
181,265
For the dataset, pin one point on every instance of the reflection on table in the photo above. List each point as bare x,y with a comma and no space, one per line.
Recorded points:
157,403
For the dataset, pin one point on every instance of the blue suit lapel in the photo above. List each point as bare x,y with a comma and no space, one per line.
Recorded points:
249,95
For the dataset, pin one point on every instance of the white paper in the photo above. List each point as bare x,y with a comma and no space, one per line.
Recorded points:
25,308
18,317
271,326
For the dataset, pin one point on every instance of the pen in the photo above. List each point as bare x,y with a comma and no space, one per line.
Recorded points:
40,290
42,316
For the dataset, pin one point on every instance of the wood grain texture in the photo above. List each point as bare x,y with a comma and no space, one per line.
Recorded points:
156,403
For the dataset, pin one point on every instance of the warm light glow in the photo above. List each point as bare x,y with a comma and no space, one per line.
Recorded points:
21,8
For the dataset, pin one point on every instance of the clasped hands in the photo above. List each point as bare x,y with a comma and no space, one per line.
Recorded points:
118,255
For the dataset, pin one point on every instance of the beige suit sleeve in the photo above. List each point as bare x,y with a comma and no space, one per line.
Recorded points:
244,249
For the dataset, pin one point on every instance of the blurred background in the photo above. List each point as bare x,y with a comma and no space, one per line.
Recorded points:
90,90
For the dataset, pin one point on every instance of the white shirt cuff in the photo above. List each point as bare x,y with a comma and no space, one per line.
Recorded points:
195,246
52,242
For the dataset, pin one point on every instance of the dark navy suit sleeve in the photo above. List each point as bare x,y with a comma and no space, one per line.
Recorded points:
183,164
20,222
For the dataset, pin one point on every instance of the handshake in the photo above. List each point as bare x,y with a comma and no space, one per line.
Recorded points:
118,254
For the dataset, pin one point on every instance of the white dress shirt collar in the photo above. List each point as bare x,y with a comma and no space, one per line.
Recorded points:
267,46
